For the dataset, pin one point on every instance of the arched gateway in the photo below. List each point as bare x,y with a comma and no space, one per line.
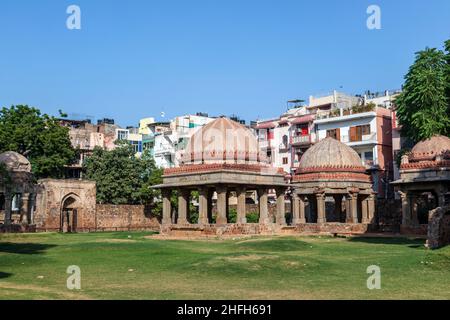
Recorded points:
70,207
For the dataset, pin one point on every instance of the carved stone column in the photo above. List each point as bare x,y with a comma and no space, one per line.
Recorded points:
365,211
354,207
414,207
203,202
222,195
263,205
295,209
321,214
241,206
167,206
348,210
25,208
371,208
8,208
406,210
281,208
183,206
302,211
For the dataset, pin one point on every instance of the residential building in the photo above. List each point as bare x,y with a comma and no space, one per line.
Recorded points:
170,142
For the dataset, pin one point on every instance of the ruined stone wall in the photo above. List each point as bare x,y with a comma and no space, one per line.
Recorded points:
439,228
125,217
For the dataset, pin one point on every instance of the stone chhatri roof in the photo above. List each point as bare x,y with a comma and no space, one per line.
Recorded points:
223,141
330,155
429,149
15,162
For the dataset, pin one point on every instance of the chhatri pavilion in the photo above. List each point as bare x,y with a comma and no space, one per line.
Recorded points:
224,157
221,157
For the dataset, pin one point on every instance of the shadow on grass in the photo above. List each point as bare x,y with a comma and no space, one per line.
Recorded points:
4,275
24,248
412,243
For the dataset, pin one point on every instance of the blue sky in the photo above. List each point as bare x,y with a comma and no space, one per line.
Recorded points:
133,59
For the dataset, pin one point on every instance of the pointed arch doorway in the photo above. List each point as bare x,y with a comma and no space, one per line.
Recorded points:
69,213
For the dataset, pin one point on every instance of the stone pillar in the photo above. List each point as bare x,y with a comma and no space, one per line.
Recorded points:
338,207
414,207
167,206
441,198
281,208
295,209
321,214
221,205
371,208
183,206
406,211
8,208
25,208
348,210
354,207
241,209
263,206
365,211
302,214
203,202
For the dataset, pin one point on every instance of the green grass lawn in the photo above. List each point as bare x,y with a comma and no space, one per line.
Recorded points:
130,266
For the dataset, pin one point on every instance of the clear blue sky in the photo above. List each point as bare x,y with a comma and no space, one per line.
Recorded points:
137,58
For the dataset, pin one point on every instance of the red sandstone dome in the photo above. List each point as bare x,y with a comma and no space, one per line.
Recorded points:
429,149
223,141
331,159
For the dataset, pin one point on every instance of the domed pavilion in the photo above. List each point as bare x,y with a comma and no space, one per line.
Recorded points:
332,170
222,157
424,177
16,182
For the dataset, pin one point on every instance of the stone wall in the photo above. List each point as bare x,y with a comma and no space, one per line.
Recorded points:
125,217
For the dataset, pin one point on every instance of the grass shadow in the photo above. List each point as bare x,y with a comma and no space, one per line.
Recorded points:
5,275
412,243
25,248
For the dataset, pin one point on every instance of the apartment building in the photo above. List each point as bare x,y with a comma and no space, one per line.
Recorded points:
363,122
170,139
86,136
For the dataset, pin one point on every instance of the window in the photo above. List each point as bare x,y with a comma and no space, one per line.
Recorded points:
334,133
122,135
356,133
368,155
285,160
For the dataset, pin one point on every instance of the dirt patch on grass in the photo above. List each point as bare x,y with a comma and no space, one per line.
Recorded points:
63,295
116,240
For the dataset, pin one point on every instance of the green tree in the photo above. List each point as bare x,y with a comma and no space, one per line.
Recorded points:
121,177
39,137
422,107
447,50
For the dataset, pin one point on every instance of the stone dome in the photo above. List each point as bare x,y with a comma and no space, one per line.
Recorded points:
328,154
430,148
15,162
223,141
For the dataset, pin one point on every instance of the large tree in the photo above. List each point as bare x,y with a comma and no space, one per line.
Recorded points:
39,137
121,177
423,106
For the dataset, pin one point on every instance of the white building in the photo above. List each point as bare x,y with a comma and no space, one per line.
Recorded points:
169,144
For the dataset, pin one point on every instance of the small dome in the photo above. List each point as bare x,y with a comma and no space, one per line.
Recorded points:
430,148
15,162
330,153
223,141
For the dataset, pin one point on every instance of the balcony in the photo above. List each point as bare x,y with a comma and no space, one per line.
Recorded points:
283,147
361,140
301,140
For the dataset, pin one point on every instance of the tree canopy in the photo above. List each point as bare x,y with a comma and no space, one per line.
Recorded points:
121,177
39,137
423,107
